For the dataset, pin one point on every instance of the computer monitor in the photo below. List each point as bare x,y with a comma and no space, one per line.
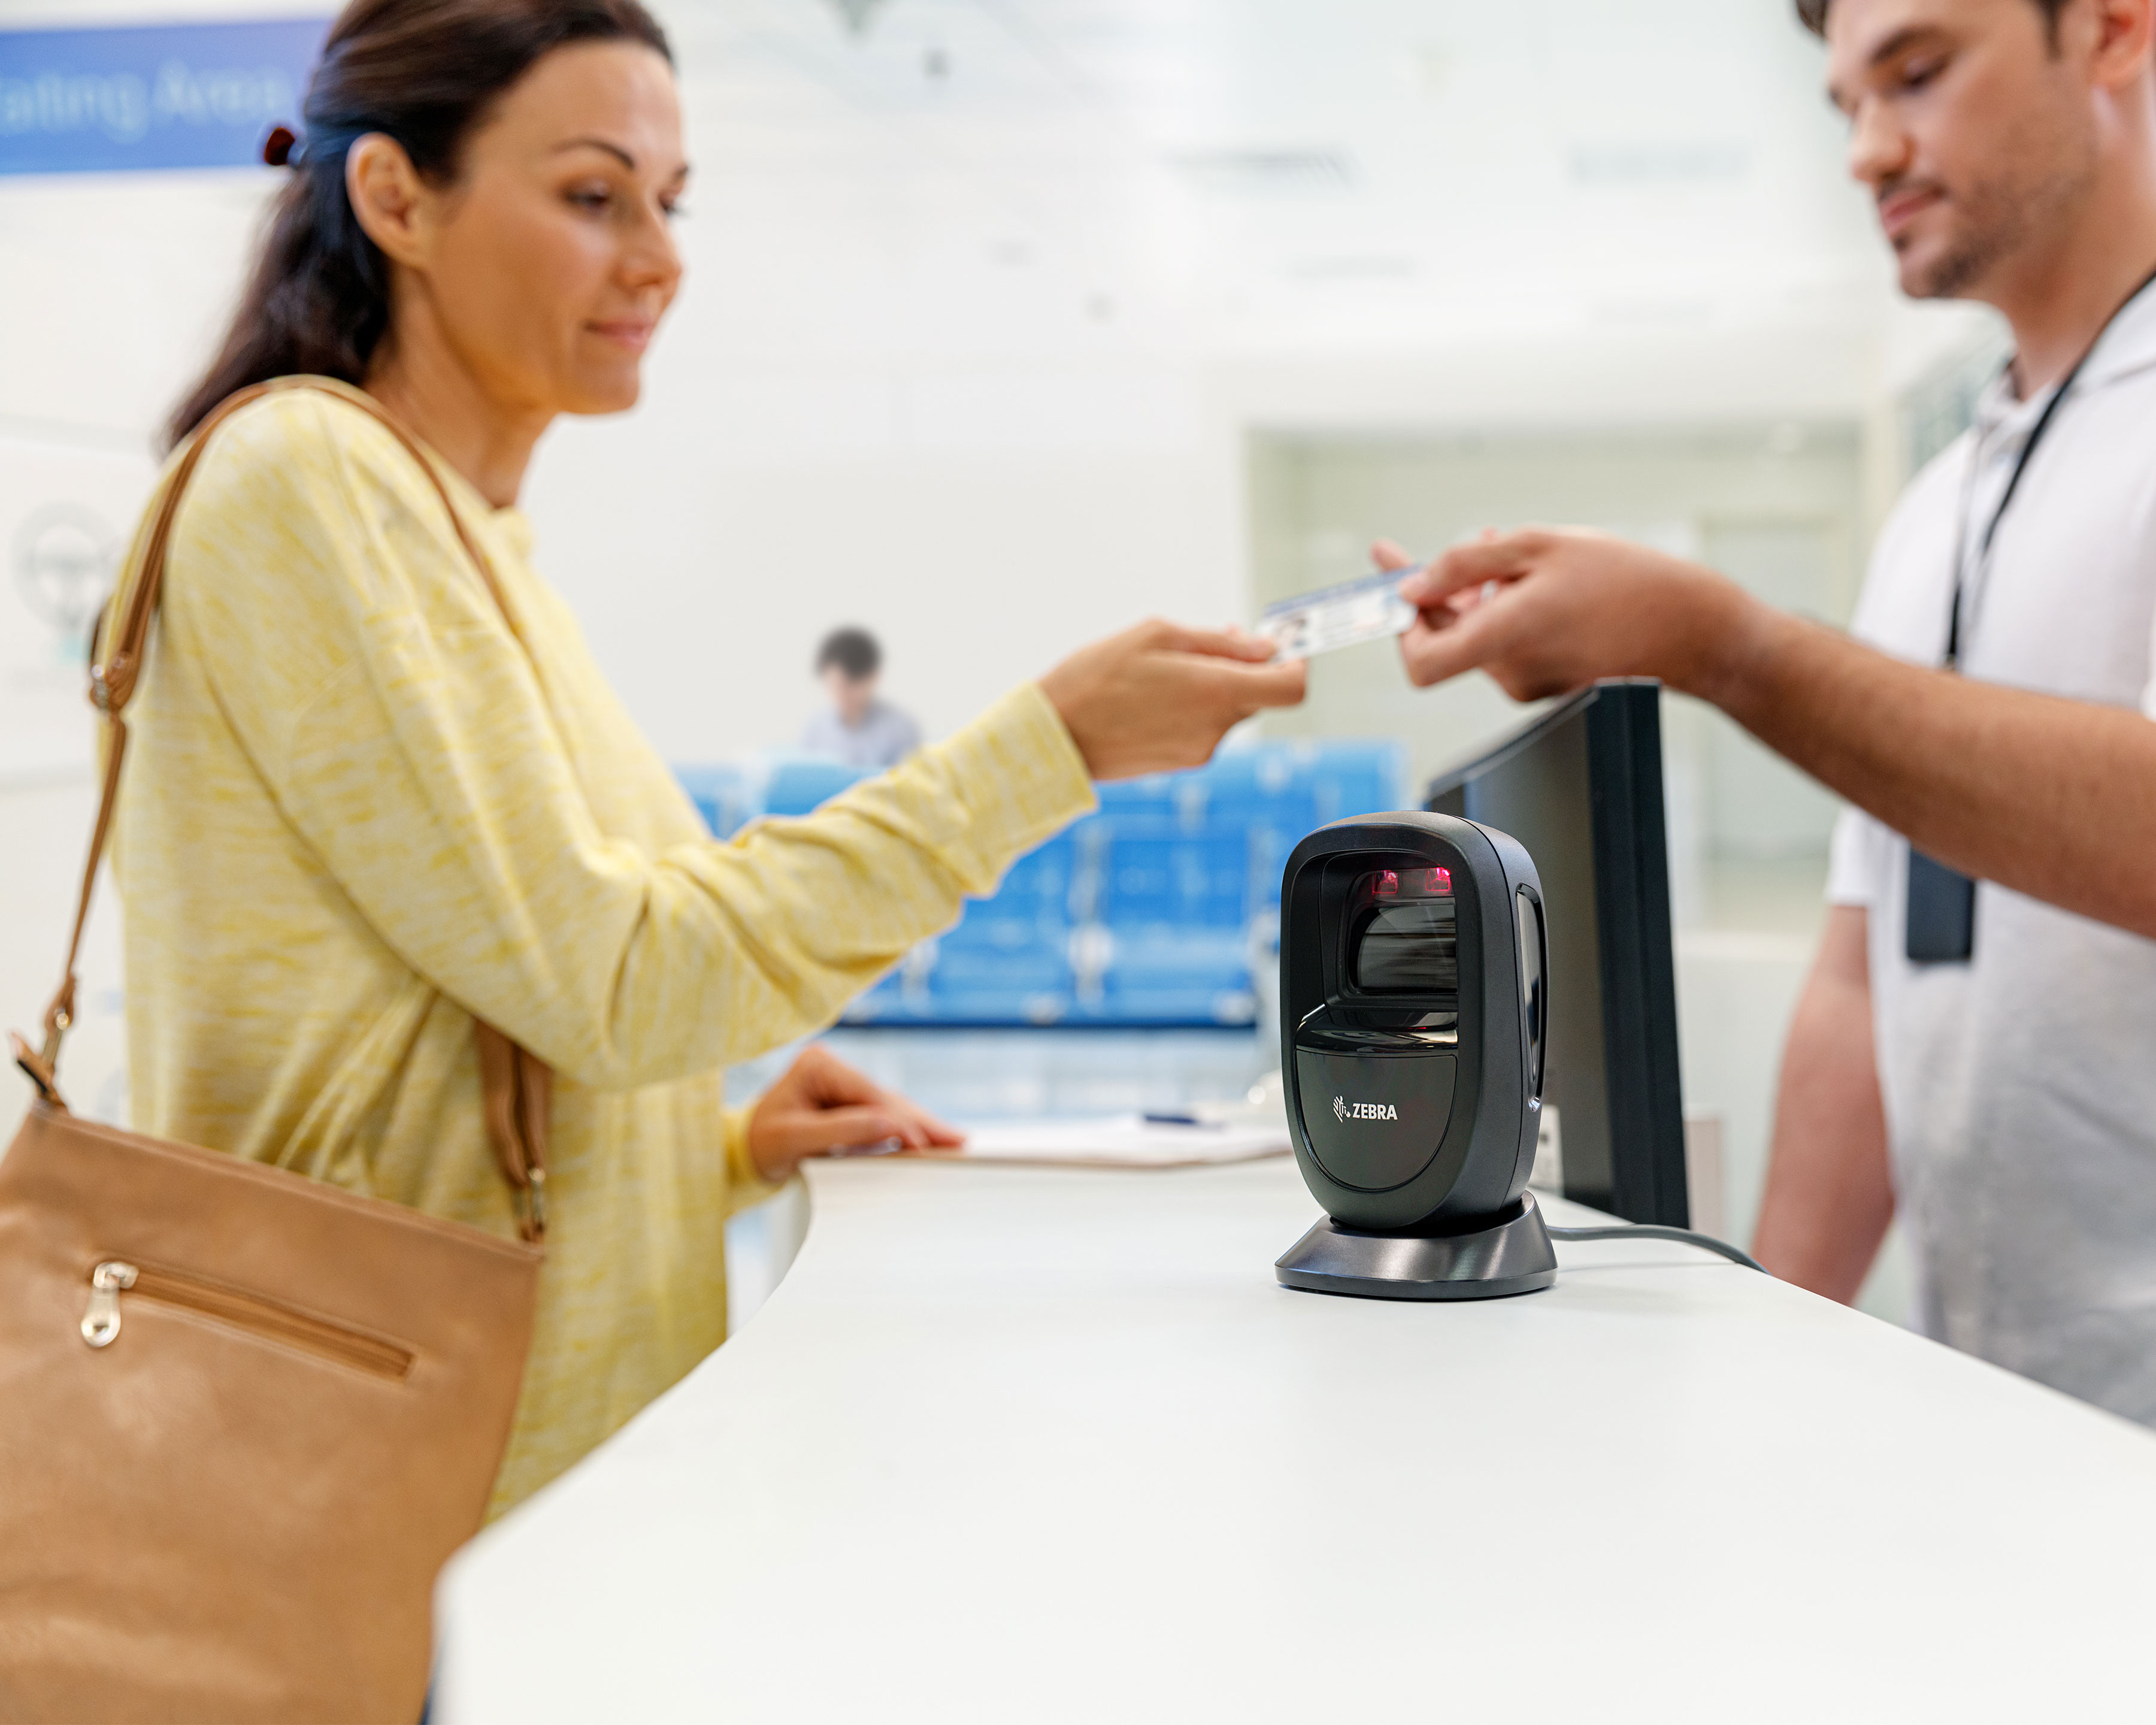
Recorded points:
1581,787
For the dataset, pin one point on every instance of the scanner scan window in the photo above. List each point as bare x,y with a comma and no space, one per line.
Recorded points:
1406,938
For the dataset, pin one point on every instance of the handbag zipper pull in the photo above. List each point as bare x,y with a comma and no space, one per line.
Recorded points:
101,1323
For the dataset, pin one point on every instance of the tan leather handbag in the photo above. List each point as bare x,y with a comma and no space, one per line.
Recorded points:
244,1416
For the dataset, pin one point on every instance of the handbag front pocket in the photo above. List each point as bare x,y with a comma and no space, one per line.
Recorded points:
235,1309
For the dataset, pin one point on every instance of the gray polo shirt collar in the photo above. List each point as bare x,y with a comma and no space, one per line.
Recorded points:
2003,420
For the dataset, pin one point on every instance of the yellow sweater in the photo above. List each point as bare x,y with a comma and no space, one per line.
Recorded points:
362,806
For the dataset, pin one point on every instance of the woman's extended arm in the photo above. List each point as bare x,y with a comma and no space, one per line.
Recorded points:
405,732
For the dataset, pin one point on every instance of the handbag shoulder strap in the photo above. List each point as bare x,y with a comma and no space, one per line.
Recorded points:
518,1087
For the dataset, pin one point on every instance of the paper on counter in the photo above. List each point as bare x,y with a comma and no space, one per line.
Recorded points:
1119,1140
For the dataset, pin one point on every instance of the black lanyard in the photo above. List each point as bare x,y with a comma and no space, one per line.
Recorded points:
1939,918
2014,479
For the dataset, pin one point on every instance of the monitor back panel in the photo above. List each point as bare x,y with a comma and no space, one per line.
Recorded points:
1581,788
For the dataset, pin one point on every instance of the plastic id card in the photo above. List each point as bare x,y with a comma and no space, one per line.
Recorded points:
1344,616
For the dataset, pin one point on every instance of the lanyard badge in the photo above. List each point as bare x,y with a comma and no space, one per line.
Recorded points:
1940,924
1939,920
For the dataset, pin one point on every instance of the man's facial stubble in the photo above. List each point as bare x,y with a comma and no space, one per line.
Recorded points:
2008,188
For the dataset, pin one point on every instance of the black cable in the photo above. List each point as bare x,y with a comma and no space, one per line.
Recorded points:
1654,1230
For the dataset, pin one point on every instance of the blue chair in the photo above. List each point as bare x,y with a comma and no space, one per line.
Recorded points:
1145,913
803,787
723,796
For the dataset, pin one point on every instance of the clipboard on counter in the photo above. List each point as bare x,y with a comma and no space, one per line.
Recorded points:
1116,1141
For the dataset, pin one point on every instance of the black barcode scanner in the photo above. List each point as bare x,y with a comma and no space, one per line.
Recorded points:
1413,1014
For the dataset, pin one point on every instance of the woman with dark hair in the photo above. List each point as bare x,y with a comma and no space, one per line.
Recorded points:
379,794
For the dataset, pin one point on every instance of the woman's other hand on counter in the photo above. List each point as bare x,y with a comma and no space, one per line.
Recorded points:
823,1104
1161,696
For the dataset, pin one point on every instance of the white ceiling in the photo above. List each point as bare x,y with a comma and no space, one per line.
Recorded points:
1271,175
1411,209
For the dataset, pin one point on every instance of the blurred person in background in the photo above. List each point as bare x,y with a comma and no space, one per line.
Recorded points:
857,727
368,805
1976,1056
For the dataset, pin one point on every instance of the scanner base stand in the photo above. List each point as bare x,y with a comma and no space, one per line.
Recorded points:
1510,1254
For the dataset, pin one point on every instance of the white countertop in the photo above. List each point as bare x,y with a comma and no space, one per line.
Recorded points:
1016,1444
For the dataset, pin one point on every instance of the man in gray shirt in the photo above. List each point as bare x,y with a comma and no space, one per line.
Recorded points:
857,728
1973,1050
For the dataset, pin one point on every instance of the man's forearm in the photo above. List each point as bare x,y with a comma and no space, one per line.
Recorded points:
1830,1191
2054,799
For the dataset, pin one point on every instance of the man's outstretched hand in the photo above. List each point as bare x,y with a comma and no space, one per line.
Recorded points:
1545,611
1966,769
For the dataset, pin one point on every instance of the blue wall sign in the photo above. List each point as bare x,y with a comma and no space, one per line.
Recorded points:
176,95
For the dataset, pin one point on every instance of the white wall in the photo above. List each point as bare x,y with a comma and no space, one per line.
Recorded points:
982,522
985,516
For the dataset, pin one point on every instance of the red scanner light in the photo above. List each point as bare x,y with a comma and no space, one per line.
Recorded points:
1410,883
